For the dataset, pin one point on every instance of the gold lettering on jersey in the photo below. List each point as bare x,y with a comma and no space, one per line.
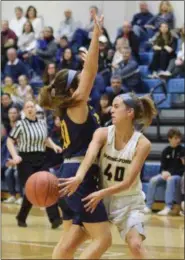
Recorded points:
65,135
110,158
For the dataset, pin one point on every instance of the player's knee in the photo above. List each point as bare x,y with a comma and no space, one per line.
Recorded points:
135,246
62,252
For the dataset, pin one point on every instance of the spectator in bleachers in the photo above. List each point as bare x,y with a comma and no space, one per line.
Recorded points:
93,10
37,23
172,169
67,27
16,24
140,19
8,40
63,44
6,104
13,116
176,66
23,89
116,87
14,67
104,110
80,58
68,60
128,70
27,41
165,15
118,55
130,39
45,51
9,87
103,62
164,47
49,73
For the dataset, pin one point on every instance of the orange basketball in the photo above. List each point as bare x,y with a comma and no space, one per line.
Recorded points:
42,189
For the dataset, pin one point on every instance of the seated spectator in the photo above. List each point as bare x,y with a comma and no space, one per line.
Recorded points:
13,115
17,23
103,62
128,70
27,41
140,19
23,89
8,40
104,110
14,67
93,10
118,55
63,44
9,87
176,66
49,73
164,47
67,27
130,39
46,49
6,104
37,23
68,60
172,169
165,15
116,87
80,58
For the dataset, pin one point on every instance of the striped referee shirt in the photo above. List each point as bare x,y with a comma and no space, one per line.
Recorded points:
30,135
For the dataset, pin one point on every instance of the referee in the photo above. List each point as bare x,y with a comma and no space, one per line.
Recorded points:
31,137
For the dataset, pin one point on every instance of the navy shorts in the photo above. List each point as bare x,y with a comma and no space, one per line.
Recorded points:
73,208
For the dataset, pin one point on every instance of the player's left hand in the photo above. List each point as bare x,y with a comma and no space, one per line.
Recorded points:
92,200
67,186
57,149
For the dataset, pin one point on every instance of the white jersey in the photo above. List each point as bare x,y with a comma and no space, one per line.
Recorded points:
115,164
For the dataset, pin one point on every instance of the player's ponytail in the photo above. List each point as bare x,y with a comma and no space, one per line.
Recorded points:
148,111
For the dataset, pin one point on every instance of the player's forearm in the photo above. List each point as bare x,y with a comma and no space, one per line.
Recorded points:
91,63
11,147
89,159
117,188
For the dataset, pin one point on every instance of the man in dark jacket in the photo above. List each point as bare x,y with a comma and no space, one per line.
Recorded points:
172,169
130,39
140,19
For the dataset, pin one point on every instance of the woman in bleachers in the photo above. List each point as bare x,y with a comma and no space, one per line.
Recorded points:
63,44
27,41
176,66
164,47
165,15
9,86
68,60
49,73
104,110
118,55
37,23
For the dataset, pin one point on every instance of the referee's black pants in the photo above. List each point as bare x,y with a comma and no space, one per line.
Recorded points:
31,163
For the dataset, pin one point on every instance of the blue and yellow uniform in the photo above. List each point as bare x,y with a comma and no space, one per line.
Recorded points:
76,139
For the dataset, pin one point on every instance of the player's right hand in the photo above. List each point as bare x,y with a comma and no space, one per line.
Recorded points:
67,186
98,24
17,159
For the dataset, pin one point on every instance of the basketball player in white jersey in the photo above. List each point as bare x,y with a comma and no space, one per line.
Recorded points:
123,153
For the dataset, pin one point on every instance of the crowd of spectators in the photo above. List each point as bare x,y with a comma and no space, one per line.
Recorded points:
30,51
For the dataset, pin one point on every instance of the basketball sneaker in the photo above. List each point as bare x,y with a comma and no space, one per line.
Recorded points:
164,212
147,210
19,201
10,200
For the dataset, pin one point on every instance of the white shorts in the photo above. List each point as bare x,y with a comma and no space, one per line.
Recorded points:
126,213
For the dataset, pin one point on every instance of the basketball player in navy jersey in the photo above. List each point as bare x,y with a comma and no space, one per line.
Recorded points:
123,153
68,96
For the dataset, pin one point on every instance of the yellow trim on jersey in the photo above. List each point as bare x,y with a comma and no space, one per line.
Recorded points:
65,134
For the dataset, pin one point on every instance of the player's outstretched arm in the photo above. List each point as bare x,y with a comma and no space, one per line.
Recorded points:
91,63
69,186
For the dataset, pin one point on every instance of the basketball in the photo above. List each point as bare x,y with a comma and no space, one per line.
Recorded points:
42,189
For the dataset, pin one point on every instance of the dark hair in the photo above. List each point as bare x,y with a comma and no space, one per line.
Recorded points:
57,96
6,94
51,29
160,39
16,108
19,8
64,38
31,7
46,78
31,26
144,111
174,132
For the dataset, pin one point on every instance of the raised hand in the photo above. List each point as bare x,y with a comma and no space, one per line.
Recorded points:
98,24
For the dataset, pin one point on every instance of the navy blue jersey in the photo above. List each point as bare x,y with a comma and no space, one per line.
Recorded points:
76,137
